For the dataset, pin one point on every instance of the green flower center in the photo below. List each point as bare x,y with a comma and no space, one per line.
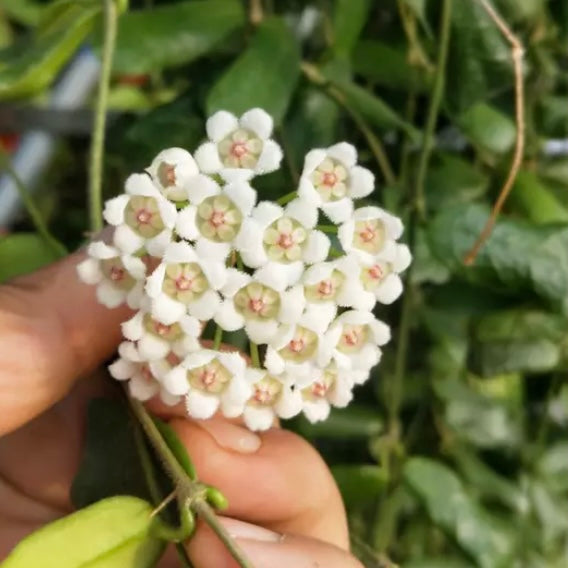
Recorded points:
320,389
284,240
301,347
167,332
211,378
325,290
257,302
219,219
372,276
143,216
353,337
266,391
185,283
240,149
330,180
369,235
115,272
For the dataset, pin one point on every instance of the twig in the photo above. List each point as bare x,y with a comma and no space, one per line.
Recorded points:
433,109
98,138
254,355
517,52
32,209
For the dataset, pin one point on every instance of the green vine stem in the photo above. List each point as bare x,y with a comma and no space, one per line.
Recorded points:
98,138
191,494
32,209
332,229
254,355
218,338
287,198
433,109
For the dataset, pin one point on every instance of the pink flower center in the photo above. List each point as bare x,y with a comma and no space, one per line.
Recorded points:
376,272
256,305
183,283
143,216
367,234
208,378
296,345
261,395
173,359
217,218
116,273
325,288
329,179
146,373
161,329
319,389
239,149
351,338
285,240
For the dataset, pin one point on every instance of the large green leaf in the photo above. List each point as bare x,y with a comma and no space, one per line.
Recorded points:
479,62
264,76
349,18
360,484
454,511
31,66
21,253
519,258
173,34
114,533
520,340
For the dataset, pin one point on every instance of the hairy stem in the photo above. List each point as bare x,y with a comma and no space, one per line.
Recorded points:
98,138
433,109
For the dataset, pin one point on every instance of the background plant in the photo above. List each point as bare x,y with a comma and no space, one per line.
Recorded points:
455,453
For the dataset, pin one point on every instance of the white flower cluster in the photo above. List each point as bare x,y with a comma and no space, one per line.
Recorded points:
193,243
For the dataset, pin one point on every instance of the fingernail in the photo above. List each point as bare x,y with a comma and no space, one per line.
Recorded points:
239,529
231,436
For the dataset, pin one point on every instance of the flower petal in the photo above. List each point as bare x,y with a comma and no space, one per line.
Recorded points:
292,305
317,247
212,250
207,158
141,184
166,310
176,381
142,389
152,347
155,281
234,282
389,290
113,212
89,271
303,211
317,411
158,244
133,329
270,158
228,318
402,259
361,182
200,405
338,211
261,331
206,307
242,195
308,192
258,418
312,160
109,296
289,404
258,121
266,212
122,369
200,187
220,125
169,399
127,240
273,361
343,152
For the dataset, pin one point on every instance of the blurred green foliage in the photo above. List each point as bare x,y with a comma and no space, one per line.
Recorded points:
471,469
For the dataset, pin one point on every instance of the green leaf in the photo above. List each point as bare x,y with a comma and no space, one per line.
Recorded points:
264,76
22,253
110,464
175,34
360,484
518,258
442,493
114,533
418,8
25,12
488,128
349,18
553,115
388,66
479,60
532,197
31,66
527,341
451,179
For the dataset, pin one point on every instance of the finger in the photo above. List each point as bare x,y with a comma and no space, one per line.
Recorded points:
265,549
53,330
284,484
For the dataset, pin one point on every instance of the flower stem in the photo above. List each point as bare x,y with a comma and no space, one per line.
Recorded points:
433,109
327,228
98,138
254,355
217,338
31,208
287,198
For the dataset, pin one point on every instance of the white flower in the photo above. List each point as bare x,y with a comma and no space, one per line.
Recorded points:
143,217
330,387
239,148
260,303
379,280
214,216
155,340
209,379
370,234
353,341
331,180
271,397
173,170
185,283
118,276
294,350
284,238
144,377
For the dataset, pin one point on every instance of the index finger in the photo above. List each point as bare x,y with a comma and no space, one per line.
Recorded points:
53,331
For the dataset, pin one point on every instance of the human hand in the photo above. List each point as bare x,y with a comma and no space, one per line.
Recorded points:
285,509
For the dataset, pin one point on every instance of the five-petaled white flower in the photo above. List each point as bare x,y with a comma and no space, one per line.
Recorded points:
185,283
370,234
155,340
272,397
208,380
144,377
143,217
214,217
119,277
284,238
173,171
331,180
239,148
260,303
353,341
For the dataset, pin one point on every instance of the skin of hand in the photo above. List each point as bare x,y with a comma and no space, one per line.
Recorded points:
285,509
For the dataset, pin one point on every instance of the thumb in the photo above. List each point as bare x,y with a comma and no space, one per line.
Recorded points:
53,331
